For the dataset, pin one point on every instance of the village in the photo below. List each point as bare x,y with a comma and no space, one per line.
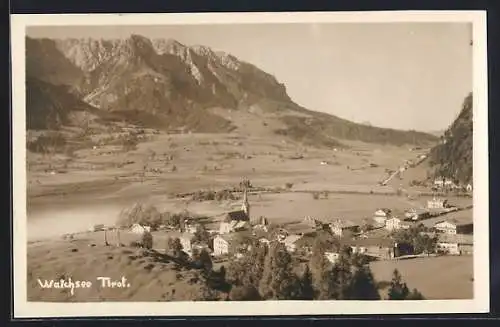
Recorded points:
442,228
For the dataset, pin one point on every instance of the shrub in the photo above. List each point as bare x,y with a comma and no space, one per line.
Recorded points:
140,214
46,143
147,240
135,244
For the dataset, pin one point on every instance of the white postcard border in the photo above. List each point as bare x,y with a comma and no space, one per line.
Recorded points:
480,303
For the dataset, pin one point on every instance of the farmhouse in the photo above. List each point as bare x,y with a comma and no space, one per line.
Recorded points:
439,182
381,215
229,244
187,242
381,248
455,244
340,227
395,223
417,214
139,229
221,245
448,183
436,203
453,226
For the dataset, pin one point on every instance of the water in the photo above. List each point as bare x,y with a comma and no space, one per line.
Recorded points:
57,221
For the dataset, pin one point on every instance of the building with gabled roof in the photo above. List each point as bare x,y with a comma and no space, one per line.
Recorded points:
225,244
455,244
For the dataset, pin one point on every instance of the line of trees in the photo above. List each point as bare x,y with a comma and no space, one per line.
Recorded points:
267,273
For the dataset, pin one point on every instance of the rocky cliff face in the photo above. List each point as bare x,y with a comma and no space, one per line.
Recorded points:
167,84
452,158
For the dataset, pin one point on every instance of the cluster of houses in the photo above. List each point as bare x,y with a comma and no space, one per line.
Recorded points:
236,232
443,184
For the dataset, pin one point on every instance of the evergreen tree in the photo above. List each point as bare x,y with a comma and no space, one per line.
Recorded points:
319,266
201,235
248,270
306,286
222,273
340,279
278,281
363,286
415,295
244,293
255,265
174,247
398,289
204,260
236,271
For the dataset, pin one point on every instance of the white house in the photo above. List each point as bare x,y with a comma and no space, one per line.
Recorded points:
190,228
438,183
455,244
187,242
436,203
221,245
469,188
448,183
448,247
381,215
446,227
416,214
290,242
393,223
139,229
359,249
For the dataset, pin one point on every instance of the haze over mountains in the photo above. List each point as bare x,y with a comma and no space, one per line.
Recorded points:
164,84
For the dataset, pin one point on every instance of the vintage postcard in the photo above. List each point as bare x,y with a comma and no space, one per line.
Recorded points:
250,164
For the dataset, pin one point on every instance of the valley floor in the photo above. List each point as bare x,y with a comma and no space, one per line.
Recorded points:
71,194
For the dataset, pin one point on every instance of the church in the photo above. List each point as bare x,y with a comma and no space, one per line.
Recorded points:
244,213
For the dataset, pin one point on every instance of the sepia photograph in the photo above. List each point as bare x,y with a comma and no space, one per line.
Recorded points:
324,163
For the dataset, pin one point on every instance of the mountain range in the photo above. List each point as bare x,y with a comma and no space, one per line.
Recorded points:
163,84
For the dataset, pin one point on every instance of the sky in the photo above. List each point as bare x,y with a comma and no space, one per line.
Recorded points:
395,75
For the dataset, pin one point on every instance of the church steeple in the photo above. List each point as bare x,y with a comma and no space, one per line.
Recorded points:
246,205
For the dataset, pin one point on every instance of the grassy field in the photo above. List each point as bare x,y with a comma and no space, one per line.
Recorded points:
448,277
152,276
